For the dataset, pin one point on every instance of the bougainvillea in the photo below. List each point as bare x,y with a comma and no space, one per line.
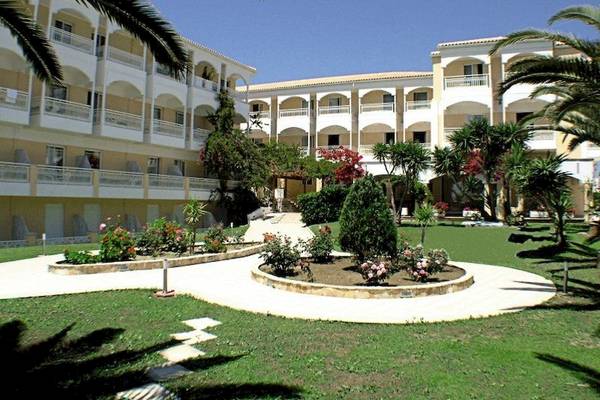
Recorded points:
348,163
474,163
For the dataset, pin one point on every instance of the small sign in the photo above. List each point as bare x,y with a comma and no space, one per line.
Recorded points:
279,194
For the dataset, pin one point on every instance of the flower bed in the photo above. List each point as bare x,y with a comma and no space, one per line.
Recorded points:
144,263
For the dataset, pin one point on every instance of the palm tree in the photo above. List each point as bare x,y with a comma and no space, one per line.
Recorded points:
141,19
575,81
425,217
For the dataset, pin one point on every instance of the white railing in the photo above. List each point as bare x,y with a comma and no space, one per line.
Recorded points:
293,112
260,114
424,144
542,132
418,105
333,146
168,128
466,81
241,96
165,181
203,184
66,109
64,175
366,149
120,119
12,98
205,84
122,57
166,72
121,179
14,172
326,110
371,107
72,40
200,136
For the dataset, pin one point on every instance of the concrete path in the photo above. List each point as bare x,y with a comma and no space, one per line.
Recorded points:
497,290
289,224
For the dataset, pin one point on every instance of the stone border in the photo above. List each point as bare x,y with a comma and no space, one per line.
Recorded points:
357,292
124,266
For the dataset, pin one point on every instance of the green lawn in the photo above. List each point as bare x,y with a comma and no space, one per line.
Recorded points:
550,352
20,253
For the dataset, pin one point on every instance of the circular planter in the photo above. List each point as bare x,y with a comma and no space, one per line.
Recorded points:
363,292
136,265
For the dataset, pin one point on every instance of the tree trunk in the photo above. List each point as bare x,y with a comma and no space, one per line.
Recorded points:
422,236
490,199
193,246
506,204
390,194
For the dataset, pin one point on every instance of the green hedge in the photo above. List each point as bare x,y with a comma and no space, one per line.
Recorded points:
324,206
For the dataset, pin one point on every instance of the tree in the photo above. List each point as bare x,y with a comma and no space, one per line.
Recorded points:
140,18
348,164
425,217
574,80
194,212
367,226
409,161
447,162
543,180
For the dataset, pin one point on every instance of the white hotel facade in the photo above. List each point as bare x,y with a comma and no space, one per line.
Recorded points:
357,111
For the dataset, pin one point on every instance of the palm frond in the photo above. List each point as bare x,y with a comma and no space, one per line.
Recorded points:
587,14
32,40
145,23
589,48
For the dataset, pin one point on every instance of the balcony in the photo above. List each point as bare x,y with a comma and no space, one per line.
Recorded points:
334,115
418,105
199,138
62,114
377,107
166,187
64,182
165,72
294,112
202,188
121,185
543,138
466,81
122,125
293,118
122,57
15,179
334,110
260,114
205,84
71,40
377,113
168,133
14,106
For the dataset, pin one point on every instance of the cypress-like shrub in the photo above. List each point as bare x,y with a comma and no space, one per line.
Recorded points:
324,206
367,226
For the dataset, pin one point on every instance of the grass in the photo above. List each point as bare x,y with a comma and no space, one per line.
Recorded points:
548,352
21,253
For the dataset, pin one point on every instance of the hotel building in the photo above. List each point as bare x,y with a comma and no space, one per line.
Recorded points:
119,136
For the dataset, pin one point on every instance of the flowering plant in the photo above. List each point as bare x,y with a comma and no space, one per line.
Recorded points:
163,236
214,240
116,243
441,207
281,255
374,272
320,246
421,267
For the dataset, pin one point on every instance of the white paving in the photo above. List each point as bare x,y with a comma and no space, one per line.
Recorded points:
288,224
180,352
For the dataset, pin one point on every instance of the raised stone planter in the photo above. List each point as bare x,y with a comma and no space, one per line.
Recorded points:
136,265
363,292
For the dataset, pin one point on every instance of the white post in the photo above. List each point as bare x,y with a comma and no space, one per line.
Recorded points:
43,243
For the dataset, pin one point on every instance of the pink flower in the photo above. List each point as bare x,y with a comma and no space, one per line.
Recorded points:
102,227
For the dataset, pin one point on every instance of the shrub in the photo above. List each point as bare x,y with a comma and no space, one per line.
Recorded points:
214,239
367,226
116,244
320,247
441,208
163,236
80,257
374,273
281,255
421,267
324,206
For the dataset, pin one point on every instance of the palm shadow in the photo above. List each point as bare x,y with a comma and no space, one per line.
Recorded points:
57,367
585,374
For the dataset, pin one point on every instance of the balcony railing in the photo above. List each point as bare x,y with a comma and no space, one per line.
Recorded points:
65,109
120,119
333,146
165,181
200,136
205,84
72,40
418,105
14,172
542,132
64,175
241,96
467,81
122,57
121,179
203,184
12,98
424,144
366,149
293,112
260,114
327,110
166,72
374,107
168,128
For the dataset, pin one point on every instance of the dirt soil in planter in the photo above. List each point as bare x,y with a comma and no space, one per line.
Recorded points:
342,271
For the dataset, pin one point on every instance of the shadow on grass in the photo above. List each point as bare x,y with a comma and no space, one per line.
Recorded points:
521,238
80,369
585,374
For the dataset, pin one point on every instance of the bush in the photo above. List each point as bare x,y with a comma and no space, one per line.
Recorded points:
80,257
116,244
281,255
320,247
367,226
163,236
324,206
421,267
214,240
374,273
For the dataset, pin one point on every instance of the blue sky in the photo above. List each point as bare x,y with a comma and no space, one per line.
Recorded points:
293,39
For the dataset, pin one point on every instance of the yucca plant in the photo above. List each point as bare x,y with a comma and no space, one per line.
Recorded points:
138,17
425,216
194,212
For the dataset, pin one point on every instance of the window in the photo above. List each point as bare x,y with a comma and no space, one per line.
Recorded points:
153,165
62,32
256,107
471,118
388,98
63,25
419,137
58,92
97,99
420,96
305,141
390,137
335,101
179,117
180,164
304,104
55,156
473,69
333,140
93,158
522,115
158,113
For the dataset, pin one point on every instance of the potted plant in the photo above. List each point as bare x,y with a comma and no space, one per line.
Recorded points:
441,208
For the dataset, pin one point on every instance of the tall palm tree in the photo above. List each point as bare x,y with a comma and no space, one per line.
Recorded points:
575,81
138,17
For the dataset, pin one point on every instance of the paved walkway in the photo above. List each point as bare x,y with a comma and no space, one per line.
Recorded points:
289,224
497,290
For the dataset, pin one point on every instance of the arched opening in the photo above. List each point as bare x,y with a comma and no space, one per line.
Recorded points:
71,28
458,114
201,124
466,72
293,107
373,134
168,115
419,99
419,132
260,109
295,137
378,100
206,76
72,98
333,136
237,86
14,80
124,105
124,49
334,103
